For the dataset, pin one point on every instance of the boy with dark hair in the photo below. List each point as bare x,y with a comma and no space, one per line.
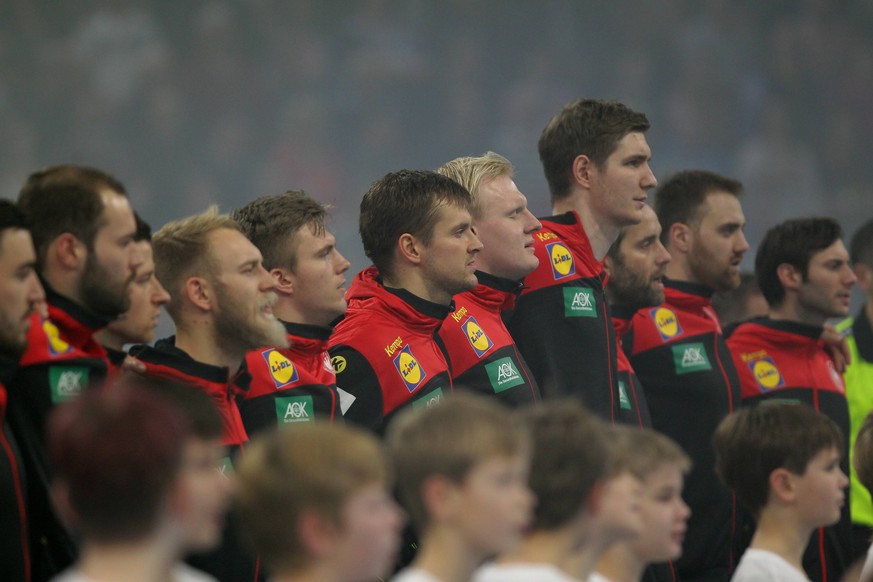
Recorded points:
297,383
803,271
462,475
783,461
417,229
596,160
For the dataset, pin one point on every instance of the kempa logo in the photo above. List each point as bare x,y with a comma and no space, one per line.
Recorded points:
579,302
429,399
690,358
67,382
503,374
623,400
292,409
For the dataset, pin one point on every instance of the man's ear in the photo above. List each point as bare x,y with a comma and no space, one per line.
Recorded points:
283,281
583,171
200,293
789,277
68,251
865,277
317,534
679,236
410,248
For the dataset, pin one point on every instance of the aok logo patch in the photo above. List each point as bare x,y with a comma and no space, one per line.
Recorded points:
67,382
479,341
225,468
294,409
503,374
409,369
561,260
691,357
579,302
430,399
282,370
56,345
766,374
623,400
666,323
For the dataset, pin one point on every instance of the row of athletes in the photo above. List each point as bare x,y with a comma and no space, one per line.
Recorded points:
468,290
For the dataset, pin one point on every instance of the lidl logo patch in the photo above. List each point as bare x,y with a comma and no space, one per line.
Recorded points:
579,302
430,399
67,382
623,400
766,374
666,323
561,260
478,339
338,363
691,357
282,370
294,409
503,374
409,368
56,345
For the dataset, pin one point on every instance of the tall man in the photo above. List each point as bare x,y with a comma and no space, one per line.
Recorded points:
680,356
83,230
294,384
221,300
417,230
20,291
482,355
803,271
596,161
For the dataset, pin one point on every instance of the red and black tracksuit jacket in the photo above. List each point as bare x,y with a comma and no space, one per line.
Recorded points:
786,360
231,560
633,407
15,564
62,359
680,356
562,324
482,355
385,354
282,386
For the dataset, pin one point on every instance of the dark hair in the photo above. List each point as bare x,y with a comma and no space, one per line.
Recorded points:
63,199
11,216
792,242
585,126
680,196
118,452
270,222
753,442
570,455
861,247
402,202
143,230
731,306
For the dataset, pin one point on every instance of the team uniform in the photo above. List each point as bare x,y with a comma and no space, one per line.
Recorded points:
481,353
688,375
282,386
633,408
786,360
167,362
385,354
859,378
561,322
15,563
61,360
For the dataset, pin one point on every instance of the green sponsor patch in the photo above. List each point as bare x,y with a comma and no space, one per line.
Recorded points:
503,374
429,399
291,409
690,358
579,302
67,382
225,467
623,400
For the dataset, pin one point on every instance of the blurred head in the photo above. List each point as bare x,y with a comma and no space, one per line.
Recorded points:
637,262
20,289
863,454
314,494
861,254
744,302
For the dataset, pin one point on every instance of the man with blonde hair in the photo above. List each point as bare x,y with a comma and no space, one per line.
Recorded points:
482,354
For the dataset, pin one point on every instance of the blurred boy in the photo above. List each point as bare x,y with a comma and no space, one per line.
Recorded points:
314,501
462,471
783,462
863,464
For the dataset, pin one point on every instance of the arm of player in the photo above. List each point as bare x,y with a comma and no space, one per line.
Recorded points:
358,387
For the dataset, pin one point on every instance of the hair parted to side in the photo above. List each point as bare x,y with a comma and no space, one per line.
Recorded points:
590,127
65,198
570,455
471,172
753,442
862,455
448,440
272,224
310,467
793,242
181,250
117,452
406,201
680,197
861,247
